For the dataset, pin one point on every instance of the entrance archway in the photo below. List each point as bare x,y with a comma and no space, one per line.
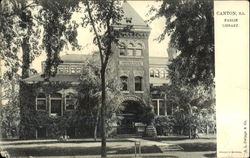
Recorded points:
130,114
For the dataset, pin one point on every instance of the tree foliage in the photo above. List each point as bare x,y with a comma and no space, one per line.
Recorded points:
190,26
58,29
191,89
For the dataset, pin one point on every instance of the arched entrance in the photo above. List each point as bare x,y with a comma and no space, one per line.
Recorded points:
130,115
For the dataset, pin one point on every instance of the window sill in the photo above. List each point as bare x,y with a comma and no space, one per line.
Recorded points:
125,91
139,91
138,57
54,115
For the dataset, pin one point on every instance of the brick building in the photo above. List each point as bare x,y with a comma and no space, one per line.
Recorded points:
136,70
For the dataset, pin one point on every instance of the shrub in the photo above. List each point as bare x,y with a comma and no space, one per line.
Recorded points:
164,124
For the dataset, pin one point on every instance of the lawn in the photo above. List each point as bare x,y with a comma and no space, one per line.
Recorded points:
203,147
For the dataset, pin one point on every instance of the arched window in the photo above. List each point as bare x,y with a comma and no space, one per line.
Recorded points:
122,50
157,73
162,74
73,70
138,51
130,49
152,73
166,74
70,102
41,102
138,83
124,81
56,104
60,69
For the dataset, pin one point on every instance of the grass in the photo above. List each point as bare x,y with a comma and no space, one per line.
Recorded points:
205,147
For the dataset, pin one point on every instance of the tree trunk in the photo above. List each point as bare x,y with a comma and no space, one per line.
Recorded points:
25,57
103,114
1,82
96,122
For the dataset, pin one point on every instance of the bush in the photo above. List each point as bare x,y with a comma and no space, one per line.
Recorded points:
164,124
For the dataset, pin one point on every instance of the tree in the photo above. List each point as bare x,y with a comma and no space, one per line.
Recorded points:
18,30
90,91
58,29
190,27
101,15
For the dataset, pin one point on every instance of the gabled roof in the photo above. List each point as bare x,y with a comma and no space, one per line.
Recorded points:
132,18
129,12
58,77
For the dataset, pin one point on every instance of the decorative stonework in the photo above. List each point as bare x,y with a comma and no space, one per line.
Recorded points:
138,73
124,73
139,35
131,98
131,63
126,42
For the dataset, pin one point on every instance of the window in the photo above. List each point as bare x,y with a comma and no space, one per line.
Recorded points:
56,104
60,70
157,73
73,70
161,107
41,101
152,73
162,74
154,102
128,20
66,70
130,49
122,52
138,51
78,70
70,102
124,81
130,52
138,83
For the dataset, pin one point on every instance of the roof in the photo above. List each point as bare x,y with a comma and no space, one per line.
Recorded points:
129,14
158,61
74,58
58,77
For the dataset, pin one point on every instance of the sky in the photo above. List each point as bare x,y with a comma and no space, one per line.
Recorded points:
85,37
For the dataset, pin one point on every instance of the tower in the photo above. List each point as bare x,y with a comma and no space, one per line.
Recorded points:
132,68
132,55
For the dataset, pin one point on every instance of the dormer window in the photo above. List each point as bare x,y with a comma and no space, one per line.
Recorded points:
128,20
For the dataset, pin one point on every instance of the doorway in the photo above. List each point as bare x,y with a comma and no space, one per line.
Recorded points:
130,115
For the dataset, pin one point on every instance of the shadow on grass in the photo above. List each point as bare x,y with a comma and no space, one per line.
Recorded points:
195,147
176,138
166,138
212,155
72,151
58,142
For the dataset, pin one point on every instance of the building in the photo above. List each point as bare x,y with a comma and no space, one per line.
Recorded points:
135,69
